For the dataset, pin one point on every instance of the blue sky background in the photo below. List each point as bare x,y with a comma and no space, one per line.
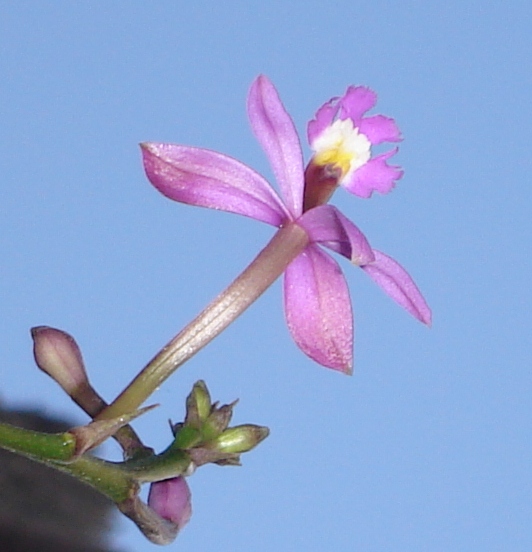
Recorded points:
428,446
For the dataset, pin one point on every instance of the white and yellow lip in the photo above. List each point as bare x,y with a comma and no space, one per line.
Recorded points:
341,146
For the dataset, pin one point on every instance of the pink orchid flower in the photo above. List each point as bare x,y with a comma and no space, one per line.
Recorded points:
317,304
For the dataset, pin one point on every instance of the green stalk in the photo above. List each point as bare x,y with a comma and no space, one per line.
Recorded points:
167,464
58,447
58,451
106,477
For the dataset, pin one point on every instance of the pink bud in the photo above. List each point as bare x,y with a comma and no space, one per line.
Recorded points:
171,500
58,355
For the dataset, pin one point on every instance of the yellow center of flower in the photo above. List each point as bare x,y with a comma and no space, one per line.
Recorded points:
342,146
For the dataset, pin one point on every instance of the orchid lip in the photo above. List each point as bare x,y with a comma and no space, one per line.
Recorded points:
342,134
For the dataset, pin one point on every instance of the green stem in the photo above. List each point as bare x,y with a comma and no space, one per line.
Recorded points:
117,480
58,449
288,242
107,477
169,463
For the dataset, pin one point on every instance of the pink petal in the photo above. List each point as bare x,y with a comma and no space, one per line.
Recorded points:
379,129
324,117
318,309
326,225
277,135
171,500
355,102
206,178
398,284
375,175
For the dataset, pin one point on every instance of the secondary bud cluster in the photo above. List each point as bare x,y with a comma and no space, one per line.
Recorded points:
206,435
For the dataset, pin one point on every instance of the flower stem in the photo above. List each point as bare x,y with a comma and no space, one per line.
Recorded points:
288,242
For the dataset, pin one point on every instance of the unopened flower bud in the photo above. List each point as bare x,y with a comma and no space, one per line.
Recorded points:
171,500
58,355
198,405
239,439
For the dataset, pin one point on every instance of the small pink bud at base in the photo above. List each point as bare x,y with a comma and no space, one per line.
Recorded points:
57,354
171,500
